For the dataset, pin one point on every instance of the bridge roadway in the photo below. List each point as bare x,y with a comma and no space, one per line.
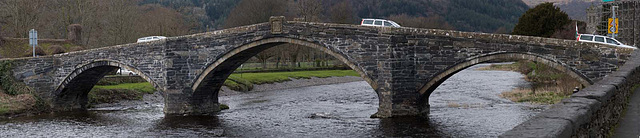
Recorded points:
403,65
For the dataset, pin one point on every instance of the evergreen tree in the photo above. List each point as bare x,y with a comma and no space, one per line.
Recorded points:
543,20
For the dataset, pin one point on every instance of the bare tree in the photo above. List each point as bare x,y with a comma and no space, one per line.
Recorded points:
21,15
309,10
294,52
120,19
255,11
265,55
165,21
432,22
342,12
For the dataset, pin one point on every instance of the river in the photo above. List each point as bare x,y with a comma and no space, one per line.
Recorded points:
466,105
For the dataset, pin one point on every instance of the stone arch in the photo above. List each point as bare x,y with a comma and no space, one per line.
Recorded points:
211,79
430,86
72,92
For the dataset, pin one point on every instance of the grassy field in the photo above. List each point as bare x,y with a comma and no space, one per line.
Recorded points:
142,87
113,93
273,77
245,81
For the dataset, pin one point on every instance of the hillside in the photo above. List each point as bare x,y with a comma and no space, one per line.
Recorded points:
464,15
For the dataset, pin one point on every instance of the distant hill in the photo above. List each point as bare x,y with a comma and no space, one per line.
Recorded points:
464,15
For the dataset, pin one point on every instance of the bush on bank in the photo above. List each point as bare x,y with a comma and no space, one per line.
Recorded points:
17,97
549,86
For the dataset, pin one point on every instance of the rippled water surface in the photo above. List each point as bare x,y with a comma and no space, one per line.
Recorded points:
466,105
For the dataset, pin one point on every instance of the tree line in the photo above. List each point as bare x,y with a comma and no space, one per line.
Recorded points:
104,23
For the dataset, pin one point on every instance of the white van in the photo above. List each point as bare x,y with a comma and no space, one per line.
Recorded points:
150,38
379,23
602,40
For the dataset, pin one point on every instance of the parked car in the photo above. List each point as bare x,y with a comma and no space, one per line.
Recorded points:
379,23
123,71
150,38
602,40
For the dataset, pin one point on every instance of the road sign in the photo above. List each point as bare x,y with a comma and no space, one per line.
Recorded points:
608,0
613,26
33,40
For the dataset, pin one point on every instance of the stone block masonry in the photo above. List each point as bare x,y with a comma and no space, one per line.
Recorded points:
403,65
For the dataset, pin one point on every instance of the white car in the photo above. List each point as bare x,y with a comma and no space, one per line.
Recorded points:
150,38
379,23
602,40
123,71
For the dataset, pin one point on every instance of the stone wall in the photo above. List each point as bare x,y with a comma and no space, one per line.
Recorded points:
592,112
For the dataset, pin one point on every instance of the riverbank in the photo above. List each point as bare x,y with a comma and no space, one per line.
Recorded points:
548,86
156,99
246,81
17,104
293,83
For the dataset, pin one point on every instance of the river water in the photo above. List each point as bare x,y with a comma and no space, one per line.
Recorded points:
466,105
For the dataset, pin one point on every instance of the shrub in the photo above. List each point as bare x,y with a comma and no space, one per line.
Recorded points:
39,52
8,82
76,48
56,49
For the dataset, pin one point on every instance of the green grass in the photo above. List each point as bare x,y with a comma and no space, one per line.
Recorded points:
113,93
3,109
245,81
142,87
273,77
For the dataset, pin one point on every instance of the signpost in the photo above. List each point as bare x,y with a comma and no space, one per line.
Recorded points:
33,40
613,23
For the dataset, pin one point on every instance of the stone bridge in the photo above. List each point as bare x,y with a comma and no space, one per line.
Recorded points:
403,65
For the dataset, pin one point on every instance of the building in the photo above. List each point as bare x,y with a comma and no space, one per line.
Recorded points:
628,13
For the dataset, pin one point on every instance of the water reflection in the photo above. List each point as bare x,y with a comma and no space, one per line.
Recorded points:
409,127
